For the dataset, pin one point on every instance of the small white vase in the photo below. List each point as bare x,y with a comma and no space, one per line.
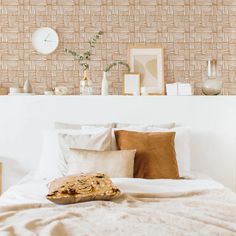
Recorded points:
105,85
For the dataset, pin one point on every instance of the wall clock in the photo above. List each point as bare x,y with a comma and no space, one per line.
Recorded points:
45,40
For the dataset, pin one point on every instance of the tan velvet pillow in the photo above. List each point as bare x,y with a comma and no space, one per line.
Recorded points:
155,153
115,164
81,188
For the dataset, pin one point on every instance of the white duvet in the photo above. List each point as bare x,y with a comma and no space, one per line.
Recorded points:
30,190
147,207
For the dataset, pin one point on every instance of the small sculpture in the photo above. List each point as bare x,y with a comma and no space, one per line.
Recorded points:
27,87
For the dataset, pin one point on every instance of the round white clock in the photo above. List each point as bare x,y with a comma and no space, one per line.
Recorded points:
45,40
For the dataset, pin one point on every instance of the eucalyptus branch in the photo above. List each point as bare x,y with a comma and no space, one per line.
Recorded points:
85,58
115,63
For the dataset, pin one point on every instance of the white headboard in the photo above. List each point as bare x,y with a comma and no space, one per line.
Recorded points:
213,122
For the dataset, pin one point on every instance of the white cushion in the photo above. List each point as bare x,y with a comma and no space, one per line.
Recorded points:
52,163
62,125
48,164
115,164
143,126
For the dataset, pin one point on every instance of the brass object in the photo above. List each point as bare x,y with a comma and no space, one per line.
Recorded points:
86,85
3,91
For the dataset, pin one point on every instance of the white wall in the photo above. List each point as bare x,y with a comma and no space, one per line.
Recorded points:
213,120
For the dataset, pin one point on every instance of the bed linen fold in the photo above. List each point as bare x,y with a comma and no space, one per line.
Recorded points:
155,208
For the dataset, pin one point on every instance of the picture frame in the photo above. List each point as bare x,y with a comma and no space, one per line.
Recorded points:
149,62
131,84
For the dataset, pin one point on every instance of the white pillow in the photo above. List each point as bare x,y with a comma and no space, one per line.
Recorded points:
115,164
182,148
48,164
52,164
98,141
143,126
62,125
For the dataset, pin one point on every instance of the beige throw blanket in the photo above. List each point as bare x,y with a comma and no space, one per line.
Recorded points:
208,212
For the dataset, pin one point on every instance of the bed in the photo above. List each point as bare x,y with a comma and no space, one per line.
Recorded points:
198,206
194,205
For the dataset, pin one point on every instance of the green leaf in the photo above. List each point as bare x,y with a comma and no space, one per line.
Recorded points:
86,56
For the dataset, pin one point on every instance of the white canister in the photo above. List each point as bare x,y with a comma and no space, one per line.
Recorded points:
14,90
144,91
48,93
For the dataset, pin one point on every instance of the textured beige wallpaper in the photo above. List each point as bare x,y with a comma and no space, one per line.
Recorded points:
190,31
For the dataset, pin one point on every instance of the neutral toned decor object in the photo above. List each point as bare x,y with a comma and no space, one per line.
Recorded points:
84,60
27,87
49,92
61,90
3,91
45,40
145,91
86,84
149,62
212,87
115,164
82,188
131,84
15,90
213,84
155,153
105,85
179,89
186,44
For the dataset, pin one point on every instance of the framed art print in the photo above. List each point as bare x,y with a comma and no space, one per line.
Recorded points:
149,62
131,84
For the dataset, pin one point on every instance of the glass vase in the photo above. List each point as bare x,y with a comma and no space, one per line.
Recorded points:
86,85
212,85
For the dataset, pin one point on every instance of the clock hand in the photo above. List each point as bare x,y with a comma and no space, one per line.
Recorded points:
46,37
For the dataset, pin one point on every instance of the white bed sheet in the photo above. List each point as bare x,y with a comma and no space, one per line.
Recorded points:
153,207
30,190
